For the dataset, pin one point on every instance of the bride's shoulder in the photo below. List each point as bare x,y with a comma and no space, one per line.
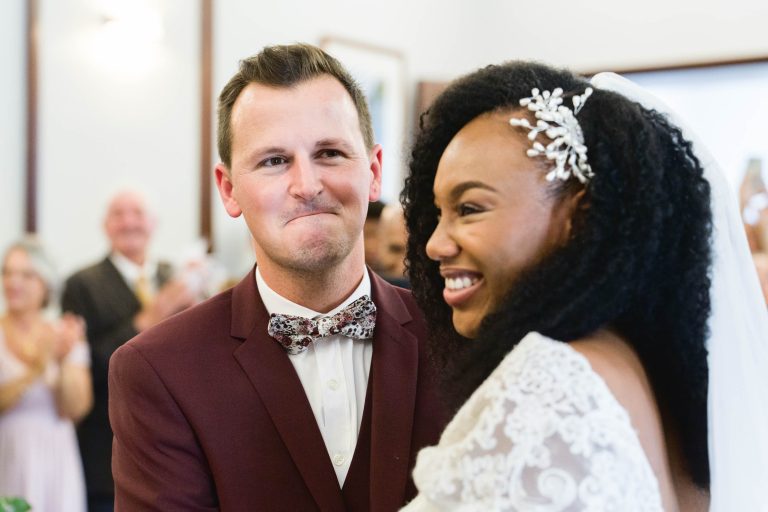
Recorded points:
617,364
590,370
614,360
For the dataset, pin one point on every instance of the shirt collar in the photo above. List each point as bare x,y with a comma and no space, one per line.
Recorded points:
130,270
276,303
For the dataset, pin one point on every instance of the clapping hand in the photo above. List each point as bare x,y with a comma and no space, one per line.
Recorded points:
173,297
68,332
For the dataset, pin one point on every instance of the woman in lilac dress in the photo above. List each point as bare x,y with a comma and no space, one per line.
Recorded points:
45,386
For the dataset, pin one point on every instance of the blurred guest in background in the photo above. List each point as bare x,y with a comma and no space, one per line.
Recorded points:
45,386
761,264
753,197
754,206
371,234
392,240
120,296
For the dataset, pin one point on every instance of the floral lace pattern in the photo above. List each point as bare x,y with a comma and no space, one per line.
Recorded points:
543,433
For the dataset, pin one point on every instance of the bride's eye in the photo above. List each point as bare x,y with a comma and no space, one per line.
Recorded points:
465,209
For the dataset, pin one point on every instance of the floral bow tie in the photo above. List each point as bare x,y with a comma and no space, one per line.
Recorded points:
295,333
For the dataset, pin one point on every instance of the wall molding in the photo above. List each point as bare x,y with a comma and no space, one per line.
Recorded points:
30,181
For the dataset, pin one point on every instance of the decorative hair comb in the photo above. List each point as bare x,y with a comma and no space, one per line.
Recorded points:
559,123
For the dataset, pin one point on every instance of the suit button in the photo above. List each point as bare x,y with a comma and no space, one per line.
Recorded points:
339,459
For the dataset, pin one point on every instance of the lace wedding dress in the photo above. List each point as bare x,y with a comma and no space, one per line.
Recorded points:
543,433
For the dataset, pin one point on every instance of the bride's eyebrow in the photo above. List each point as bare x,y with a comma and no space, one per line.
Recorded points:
456,192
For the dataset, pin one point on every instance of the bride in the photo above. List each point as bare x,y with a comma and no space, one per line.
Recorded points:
591,301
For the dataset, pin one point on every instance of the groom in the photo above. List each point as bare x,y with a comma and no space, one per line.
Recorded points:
249,401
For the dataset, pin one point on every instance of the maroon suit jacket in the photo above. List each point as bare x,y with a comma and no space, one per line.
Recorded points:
209,414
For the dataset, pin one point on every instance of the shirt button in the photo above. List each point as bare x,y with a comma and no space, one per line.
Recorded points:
338,459
333,384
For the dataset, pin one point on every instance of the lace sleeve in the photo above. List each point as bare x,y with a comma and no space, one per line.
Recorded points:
543,433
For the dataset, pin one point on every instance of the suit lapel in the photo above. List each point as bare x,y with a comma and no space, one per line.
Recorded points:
394,370
114,284
278,386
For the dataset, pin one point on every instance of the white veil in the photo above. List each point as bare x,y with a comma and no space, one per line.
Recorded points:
738,343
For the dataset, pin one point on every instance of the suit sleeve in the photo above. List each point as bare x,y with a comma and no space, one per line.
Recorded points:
157,462
104,340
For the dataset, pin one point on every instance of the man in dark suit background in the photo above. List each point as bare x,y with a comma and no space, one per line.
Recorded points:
118,297
281,394
392,242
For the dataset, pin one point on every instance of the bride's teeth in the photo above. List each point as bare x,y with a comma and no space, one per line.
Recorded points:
459,283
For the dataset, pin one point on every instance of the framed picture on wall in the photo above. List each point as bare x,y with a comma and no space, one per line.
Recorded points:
426,93
381,74
722,102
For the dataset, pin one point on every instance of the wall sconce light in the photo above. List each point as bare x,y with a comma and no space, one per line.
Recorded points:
128,41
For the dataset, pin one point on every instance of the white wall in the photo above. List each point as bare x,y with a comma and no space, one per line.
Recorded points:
727,108
13,121
611,34
114,112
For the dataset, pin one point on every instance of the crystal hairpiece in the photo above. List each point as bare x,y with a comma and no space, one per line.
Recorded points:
559,123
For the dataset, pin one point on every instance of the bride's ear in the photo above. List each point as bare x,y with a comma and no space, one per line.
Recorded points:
566,209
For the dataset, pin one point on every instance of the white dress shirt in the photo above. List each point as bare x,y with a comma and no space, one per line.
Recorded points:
334,373
131,272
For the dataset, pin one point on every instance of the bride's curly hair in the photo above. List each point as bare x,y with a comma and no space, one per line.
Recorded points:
638,257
